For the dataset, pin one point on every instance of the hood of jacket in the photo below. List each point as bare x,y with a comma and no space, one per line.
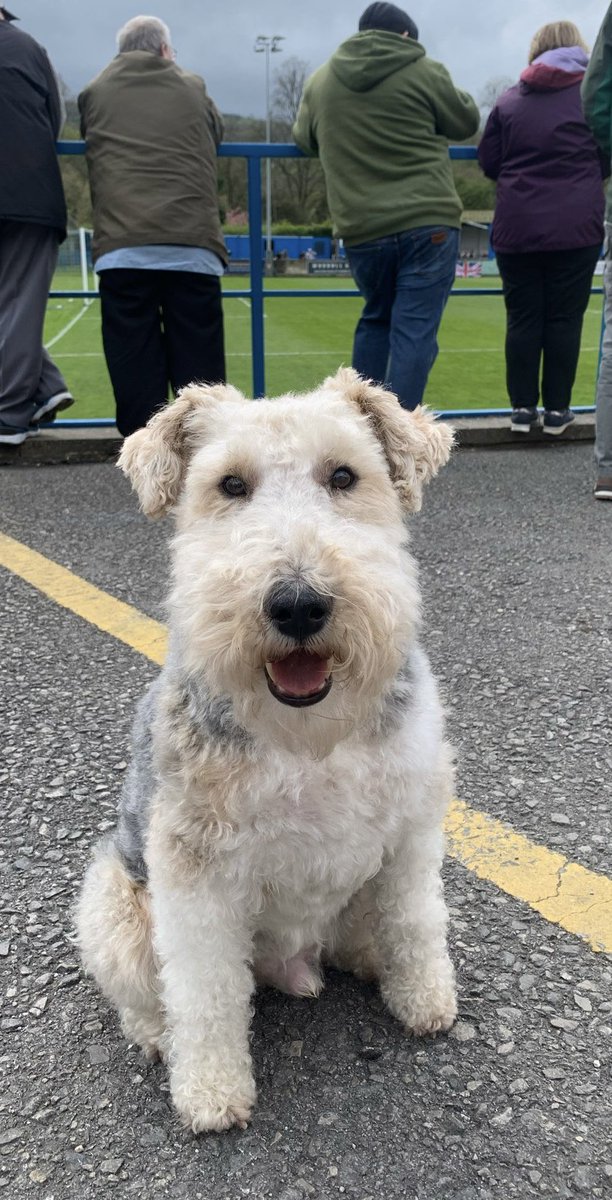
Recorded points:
367,58
555,70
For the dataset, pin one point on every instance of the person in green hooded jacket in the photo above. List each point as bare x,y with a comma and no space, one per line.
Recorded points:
380,115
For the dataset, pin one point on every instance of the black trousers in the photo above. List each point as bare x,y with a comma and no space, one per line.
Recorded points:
546,295
161,330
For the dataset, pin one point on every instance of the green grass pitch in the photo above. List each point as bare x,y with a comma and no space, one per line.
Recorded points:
307,339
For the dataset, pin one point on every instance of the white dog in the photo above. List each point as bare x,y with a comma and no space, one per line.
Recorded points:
290,775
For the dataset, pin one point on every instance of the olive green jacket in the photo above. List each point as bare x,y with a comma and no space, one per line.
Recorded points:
379,115
152,134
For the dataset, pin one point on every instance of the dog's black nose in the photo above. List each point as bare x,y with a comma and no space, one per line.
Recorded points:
298,612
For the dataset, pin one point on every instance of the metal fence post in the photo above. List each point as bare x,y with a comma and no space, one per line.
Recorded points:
257,308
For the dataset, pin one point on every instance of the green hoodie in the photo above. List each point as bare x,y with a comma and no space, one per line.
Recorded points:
379,115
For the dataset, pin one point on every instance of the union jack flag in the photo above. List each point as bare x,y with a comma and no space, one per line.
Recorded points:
468,270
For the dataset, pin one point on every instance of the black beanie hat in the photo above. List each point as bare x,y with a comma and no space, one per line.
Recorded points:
390,18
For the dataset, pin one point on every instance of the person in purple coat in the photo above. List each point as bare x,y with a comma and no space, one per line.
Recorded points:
548,225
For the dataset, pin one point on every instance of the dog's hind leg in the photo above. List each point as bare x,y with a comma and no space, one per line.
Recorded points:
114,934
351,945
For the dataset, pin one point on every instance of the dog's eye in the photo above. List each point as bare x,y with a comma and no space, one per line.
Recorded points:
342,479
233,485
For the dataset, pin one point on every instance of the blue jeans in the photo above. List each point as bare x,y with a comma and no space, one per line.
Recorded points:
405,280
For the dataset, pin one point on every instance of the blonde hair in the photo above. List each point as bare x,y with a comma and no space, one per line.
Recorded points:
551,37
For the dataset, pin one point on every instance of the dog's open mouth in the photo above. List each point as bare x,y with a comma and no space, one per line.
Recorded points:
299,679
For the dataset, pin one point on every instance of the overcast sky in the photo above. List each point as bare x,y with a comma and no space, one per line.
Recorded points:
475,39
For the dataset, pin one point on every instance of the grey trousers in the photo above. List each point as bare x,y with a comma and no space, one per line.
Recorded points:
28,376
603,420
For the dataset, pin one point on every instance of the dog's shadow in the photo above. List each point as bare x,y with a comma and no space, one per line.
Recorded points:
315,1047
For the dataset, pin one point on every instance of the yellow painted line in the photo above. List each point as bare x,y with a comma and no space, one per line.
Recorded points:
121,620
563,892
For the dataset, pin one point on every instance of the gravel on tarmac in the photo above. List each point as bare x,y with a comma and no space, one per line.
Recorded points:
516,1101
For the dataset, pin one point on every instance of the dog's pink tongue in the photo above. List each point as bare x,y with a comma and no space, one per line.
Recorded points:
300,674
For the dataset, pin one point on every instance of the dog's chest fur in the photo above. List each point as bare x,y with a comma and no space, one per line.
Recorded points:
308,835
290,836
305,824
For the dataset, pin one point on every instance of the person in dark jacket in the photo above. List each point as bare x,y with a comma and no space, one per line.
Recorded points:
152,134
548,225
32,224
379,115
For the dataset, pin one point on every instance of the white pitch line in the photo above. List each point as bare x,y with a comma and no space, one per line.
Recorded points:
342,354
247,304
292,353
62,333
496,350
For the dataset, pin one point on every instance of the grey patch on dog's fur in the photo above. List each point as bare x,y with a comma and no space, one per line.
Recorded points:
208,716
138,788
211,720
398,700
212,716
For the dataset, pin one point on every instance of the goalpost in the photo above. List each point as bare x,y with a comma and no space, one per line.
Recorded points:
75,253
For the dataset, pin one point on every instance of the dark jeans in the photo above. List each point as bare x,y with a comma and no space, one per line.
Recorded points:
546,296
161,330
405,280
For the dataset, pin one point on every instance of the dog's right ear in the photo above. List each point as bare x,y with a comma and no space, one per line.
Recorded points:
155,459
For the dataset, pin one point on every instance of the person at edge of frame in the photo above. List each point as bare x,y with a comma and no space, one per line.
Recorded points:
597,105
32,226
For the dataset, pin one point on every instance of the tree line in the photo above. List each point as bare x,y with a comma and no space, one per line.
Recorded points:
298,185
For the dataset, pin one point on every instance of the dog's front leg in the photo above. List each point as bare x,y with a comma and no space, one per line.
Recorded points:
417,982
204,947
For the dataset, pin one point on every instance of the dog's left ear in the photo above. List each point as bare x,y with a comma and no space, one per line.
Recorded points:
155,459
416,445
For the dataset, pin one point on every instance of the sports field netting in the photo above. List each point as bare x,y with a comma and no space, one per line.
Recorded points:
308,339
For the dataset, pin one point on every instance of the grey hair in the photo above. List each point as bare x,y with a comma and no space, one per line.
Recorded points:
143,33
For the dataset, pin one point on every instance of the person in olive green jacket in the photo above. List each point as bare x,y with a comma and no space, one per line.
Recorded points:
151,135
597,105
379,116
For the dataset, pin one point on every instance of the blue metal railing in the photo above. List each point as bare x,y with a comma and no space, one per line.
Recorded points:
254,152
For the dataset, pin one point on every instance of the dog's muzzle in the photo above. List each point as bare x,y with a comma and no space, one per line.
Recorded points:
301,678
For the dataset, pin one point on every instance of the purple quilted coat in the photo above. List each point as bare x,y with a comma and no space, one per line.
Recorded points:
549,172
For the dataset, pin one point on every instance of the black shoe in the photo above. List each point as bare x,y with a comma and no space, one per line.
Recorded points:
556,422
48,410
14,435
523,420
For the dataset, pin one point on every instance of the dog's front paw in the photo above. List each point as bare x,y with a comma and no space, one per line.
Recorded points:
433,1020
208,1107
422,1009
